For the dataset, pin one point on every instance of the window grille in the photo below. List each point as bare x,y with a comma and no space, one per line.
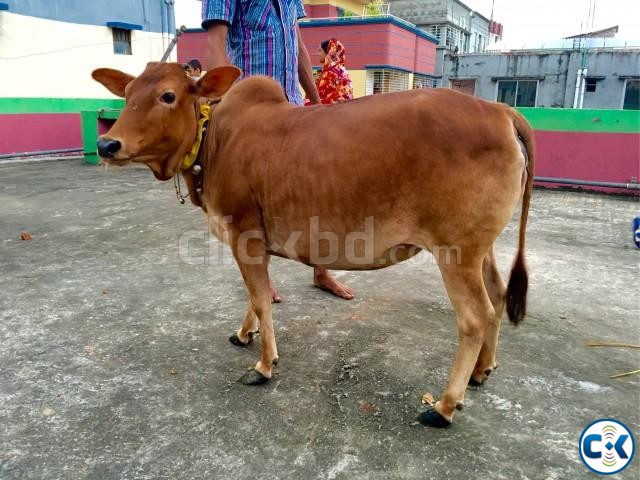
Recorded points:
423,81
436,31
121,41
453,38
386,81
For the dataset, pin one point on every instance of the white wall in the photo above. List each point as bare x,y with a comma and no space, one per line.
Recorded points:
45,58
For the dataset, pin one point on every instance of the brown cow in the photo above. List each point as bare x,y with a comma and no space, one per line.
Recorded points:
424,169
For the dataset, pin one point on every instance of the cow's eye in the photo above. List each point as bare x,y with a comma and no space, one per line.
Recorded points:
168,97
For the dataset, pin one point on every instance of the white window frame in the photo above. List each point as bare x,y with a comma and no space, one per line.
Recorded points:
624,92
517,80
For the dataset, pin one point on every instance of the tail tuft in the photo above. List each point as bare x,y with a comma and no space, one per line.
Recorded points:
517,291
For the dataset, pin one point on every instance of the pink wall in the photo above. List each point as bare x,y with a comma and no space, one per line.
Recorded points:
425,57
321,11
605,157
39,131
368,44
375,44
192,45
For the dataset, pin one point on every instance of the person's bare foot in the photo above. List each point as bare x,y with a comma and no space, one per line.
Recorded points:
323,280
275,296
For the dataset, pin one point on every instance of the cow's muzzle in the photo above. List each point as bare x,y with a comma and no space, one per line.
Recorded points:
107,148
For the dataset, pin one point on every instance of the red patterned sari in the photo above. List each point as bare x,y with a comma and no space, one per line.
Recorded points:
334,84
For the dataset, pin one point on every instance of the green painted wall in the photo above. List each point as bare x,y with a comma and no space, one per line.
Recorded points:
570,120
56,105
550,119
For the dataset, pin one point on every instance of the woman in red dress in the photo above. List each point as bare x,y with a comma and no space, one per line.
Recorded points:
334,84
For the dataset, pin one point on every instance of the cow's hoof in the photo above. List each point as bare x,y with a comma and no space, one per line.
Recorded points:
432,418
253,377
475,383
239,343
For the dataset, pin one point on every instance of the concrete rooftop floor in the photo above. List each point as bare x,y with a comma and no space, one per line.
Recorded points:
115,364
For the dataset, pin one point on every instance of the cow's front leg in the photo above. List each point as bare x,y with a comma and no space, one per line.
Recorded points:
253,261
467,292
257,282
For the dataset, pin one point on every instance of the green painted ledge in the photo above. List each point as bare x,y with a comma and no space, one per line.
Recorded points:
570,120
37,105
553,119
90,126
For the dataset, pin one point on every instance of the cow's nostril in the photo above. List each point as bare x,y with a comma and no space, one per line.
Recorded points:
108,148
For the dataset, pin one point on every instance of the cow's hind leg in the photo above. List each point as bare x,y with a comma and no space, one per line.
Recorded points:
497,289
465,286
244,336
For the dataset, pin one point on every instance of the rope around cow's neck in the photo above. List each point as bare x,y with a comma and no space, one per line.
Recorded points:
192,158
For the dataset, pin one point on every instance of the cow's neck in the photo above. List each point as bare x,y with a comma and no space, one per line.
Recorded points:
191,168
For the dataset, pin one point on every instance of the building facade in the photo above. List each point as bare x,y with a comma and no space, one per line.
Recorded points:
607,78
456,26
48,49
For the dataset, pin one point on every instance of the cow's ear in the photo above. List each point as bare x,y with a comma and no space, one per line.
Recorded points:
217,81
114,80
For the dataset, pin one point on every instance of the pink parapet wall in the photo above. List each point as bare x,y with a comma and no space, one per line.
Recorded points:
375,44
604,157
382,43
38,132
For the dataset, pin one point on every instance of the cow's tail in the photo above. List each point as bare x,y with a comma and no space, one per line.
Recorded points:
519,278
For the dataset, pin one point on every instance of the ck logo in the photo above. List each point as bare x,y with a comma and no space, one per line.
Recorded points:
607,446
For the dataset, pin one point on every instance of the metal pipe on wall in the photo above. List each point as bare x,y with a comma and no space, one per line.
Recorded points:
582,87
40,153
576,95
590,183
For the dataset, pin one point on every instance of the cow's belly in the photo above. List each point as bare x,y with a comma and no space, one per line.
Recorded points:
364,247
391,256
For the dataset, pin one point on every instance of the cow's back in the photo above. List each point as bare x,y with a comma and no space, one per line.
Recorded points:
425,161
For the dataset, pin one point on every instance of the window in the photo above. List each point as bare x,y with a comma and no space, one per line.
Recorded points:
121,41
386,81
590,84
518,93
631,95
452,38
436,30
423,81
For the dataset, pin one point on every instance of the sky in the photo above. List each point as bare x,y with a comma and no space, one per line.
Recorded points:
188,13
554,19
523,20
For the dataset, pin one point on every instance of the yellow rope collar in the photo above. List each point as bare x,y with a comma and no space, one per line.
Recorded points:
205,115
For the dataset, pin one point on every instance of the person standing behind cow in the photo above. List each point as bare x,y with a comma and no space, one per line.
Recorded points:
193,68
262,37
334,84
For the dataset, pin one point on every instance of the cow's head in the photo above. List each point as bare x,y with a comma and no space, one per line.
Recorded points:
158,124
